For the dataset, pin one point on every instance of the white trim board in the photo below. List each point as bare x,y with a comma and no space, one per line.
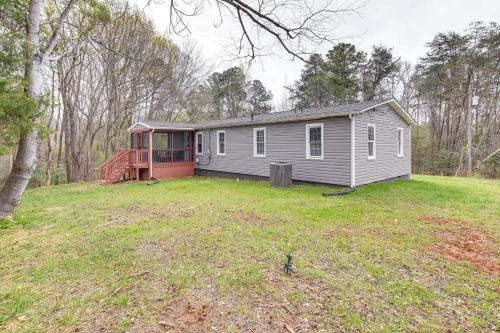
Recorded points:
218,144
255,130
308,147
353,150
196,143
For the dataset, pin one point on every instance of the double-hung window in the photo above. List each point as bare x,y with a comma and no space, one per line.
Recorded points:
221,143
199,143
314,141
259,142
371,139
400,141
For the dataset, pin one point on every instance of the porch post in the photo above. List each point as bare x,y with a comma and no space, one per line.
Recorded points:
138,152
150,154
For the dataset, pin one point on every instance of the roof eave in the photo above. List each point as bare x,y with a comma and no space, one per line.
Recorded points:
394,104
401,111
173,128
159,127
276,121
138,123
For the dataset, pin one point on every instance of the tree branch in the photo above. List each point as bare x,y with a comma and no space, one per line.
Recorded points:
57,31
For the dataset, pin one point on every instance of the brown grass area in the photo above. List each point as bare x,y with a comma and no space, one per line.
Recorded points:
203,310
460,243
249,217
136,213
246,217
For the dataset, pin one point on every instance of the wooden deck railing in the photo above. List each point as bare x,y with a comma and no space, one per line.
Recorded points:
114,166
141,156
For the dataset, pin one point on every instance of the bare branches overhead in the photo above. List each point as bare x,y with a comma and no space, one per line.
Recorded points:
296,27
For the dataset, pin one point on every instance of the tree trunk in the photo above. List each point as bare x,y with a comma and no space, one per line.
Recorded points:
25,161
49,139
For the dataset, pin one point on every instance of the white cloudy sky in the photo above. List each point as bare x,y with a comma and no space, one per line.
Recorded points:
405,25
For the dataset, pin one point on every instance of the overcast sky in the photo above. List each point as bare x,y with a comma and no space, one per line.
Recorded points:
404,25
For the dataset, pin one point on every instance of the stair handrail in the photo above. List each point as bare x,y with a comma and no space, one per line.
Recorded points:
112,158
112,163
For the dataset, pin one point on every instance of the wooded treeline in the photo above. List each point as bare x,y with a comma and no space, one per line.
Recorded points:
113,68
437,91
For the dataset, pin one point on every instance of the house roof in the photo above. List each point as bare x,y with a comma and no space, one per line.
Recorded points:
286,116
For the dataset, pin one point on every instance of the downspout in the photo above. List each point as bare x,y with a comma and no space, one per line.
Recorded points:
151,154
353,150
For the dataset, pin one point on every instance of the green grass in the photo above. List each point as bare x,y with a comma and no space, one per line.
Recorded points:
207,254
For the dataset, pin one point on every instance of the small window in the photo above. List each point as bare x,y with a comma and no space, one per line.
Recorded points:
400,142
199,143
259,142
371,142
221,143
314,141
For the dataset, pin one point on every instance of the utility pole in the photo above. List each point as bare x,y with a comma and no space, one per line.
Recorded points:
469,132
473,102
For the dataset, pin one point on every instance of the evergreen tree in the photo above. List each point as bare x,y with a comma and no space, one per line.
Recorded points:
18,111
311,89
380,67
234,91
342,71
259,99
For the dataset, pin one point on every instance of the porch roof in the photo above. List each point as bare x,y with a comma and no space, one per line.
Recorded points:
160,125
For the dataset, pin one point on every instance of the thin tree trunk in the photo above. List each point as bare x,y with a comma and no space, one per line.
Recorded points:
59,148
49,139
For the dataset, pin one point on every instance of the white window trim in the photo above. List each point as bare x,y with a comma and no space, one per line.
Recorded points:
218,144
308,148
196,143
255,130
374,142
400,153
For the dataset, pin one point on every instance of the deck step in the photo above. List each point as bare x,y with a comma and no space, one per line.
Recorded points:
115,168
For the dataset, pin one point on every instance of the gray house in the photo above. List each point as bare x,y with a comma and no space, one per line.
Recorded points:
351,144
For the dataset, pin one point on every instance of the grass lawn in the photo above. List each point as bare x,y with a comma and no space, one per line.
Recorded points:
207,254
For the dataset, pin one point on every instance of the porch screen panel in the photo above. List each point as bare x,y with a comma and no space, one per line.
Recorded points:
181,146
160,140
133,140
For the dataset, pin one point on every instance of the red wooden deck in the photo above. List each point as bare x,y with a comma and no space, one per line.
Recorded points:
133,164
144,163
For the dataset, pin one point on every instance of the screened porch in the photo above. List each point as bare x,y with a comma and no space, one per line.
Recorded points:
166,147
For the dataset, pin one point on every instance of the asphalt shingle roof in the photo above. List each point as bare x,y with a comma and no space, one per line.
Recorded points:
295,115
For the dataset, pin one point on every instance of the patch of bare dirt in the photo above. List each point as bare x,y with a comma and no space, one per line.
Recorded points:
242,216
458,242
203,311
83,187
439,220
135,214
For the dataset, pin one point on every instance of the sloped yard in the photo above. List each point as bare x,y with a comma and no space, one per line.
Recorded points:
207,255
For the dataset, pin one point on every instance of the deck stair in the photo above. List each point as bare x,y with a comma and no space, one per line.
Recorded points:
115,168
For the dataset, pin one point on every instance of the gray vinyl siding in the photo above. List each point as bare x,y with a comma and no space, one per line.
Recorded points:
284,142
387,164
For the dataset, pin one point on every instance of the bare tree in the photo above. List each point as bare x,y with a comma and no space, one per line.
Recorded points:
25,162
295,26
